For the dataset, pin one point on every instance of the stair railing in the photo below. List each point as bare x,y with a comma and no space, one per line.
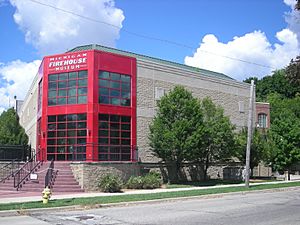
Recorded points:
49,178
8,170
24,172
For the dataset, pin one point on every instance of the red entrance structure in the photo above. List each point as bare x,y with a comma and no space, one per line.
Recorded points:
87,107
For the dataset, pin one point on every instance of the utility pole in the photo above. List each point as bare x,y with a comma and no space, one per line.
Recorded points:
249,137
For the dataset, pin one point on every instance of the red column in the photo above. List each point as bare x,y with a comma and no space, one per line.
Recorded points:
91,133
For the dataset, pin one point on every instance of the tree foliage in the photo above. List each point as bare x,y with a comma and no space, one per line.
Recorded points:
172,132
284,132
186,129
276,83
293,72
217,137
281,90
11,132
259,147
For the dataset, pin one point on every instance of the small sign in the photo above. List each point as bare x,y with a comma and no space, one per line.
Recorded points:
33,176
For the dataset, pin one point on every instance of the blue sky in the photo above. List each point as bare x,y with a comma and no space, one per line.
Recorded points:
264,32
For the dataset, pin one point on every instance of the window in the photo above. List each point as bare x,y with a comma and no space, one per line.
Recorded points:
67,88
66,137
114,138
159,92
114,88
262,120
241,107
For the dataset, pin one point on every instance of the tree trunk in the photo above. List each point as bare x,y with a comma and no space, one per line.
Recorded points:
206,167
177,171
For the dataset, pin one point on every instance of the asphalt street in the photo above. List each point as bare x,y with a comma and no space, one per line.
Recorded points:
263,208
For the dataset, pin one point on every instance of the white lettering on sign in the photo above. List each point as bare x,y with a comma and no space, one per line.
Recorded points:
68,62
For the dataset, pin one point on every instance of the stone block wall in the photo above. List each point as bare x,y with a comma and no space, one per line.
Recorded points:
88,174
193,172
262,171
231,95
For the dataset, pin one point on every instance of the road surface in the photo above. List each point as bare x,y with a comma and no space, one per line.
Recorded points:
263,208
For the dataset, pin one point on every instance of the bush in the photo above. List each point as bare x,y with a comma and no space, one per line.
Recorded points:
135,182
110,183
150,181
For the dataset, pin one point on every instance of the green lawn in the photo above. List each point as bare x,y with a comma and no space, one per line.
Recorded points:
91,201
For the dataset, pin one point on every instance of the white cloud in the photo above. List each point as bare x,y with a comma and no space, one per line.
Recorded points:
52,31
293,18
18,77
252,47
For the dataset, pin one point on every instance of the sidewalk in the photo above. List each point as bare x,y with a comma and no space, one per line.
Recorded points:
36,197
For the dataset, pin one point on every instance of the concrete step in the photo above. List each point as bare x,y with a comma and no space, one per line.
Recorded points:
66,183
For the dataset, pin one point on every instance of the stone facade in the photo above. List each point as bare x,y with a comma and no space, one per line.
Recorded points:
262,171
28,113
231,95
194,172
88,174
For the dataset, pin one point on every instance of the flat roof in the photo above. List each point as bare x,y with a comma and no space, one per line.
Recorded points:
144,57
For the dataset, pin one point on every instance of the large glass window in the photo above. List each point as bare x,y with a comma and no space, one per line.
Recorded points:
67,88
114,88
262,120
114,138
66,137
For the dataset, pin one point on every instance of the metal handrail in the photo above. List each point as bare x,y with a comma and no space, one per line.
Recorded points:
50,175
8,170
24,172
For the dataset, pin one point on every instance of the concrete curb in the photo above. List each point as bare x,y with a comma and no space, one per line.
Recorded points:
7,213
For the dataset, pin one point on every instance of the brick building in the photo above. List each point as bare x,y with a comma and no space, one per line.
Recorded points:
263,115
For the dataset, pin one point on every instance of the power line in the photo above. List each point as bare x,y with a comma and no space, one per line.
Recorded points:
146,36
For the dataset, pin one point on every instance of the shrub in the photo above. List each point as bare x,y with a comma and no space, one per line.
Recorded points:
135,182
150,181
110,183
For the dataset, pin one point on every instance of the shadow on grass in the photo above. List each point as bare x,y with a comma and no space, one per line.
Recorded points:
207,183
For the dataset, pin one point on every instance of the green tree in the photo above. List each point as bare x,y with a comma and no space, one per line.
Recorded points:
259,147
284,132
276,83
11,132
282,106
215,139
285,136
173,130
293,72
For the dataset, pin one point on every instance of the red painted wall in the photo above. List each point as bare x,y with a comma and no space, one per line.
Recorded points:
93,62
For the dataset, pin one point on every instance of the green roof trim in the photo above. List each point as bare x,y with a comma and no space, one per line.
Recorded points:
143,57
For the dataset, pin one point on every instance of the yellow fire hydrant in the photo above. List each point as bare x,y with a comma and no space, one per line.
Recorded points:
46,194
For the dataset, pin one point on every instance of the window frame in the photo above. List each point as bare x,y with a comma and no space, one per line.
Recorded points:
72,82
114,89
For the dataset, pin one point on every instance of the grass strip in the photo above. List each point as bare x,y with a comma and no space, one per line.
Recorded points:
90,201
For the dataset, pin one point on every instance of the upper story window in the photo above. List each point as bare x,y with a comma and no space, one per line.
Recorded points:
114,88
67,88
262,120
